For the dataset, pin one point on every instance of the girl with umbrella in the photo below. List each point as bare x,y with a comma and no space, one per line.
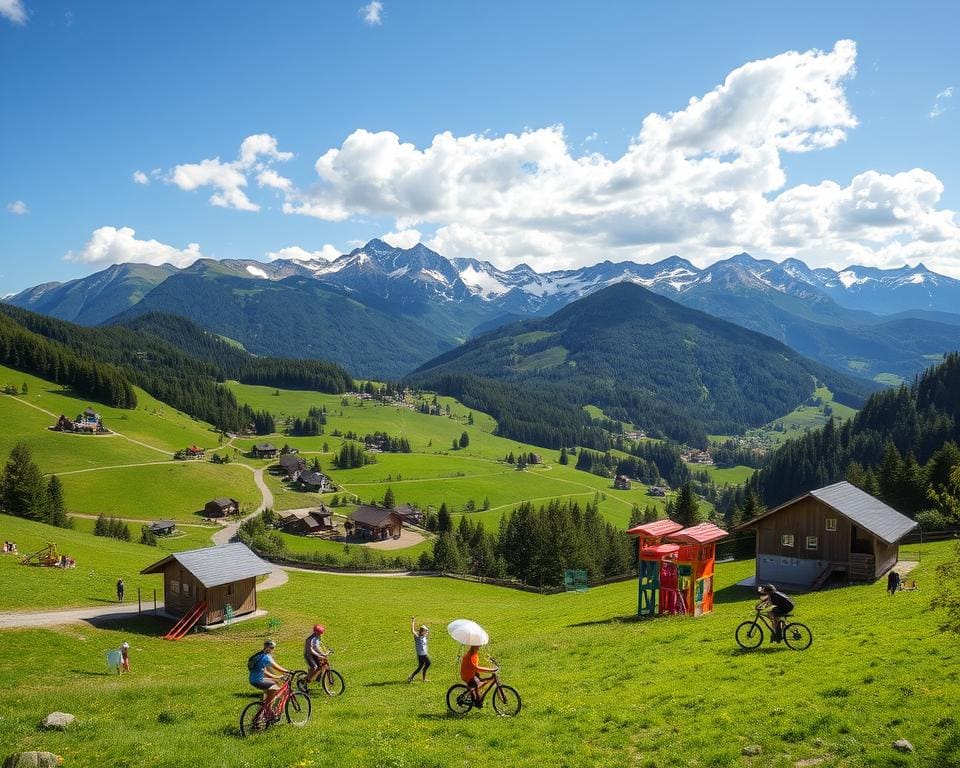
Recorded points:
473,635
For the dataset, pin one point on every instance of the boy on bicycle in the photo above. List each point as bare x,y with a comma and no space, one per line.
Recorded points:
265,673
776,606
315,653
470,670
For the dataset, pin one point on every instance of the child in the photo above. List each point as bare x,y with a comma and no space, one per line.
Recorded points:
124,657
420,646
470,670
315,652
776,605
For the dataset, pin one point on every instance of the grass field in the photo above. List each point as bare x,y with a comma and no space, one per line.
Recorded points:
186,537
599,688
725,475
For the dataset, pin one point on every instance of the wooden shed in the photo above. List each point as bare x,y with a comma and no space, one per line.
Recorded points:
837,529
375,523
214,578
265,451
221,507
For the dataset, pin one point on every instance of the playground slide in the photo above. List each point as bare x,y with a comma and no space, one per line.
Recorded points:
190,618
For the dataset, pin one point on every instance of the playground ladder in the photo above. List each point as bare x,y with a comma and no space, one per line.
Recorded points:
190,618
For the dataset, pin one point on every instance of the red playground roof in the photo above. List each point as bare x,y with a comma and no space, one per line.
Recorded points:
705,533
660,550
659,528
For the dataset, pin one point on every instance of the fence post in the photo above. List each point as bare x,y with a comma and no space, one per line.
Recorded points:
154,601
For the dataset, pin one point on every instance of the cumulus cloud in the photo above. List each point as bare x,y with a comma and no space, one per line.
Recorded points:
13,11
110,245
296,253
371,13
229,179
139,177
942,102
404,239
270,178
18,208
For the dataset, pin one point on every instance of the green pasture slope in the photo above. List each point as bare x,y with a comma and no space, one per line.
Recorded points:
599,688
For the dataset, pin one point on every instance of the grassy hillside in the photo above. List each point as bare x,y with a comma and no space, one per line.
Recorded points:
598,688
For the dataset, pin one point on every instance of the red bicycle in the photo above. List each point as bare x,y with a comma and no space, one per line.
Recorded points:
506,700
295,705
330,680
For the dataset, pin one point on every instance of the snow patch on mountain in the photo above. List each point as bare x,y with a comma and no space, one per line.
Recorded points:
257,272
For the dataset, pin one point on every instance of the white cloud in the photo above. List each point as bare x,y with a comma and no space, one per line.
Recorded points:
296,253
18,208
942,102
109,245
405,239
13,11
371,13
270,178
139,177
229,179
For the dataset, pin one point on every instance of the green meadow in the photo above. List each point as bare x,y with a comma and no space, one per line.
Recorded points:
599,688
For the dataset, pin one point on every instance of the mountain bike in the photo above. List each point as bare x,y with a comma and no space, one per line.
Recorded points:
295,705
506,700
330,680
749,634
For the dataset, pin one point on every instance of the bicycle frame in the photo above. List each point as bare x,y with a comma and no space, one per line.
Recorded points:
279,701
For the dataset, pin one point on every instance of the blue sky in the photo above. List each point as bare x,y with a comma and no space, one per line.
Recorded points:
93,93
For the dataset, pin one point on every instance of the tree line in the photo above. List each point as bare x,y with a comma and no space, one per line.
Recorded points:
25,493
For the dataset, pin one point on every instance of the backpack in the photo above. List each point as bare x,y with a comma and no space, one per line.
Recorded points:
252,661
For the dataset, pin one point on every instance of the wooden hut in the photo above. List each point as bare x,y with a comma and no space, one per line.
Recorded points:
221,507
307,522
292,465
314,481
376,523
837,529
163,527
208,580
265,451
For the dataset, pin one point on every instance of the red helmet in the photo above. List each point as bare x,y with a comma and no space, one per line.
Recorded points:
318,629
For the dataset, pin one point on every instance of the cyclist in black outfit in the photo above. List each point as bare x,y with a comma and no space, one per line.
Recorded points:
776,605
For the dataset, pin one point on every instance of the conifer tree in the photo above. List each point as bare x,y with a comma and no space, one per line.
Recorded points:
564,459
23,492
56,507
389,500
686,511
444,521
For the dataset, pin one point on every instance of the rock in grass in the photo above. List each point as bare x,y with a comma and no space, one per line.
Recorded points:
902,745
33,760
752,751
57,721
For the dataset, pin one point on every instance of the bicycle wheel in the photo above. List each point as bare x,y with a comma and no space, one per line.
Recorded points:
333,684
798,637
459,700
749,635
249,722
300,681
298,708
506,701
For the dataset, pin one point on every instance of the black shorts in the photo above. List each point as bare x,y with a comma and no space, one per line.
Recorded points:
311,660
263,686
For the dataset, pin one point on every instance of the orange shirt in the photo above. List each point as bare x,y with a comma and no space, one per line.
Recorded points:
469,666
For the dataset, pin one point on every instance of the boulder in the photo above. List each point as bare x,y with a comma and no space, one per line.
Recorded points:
33,760
752,751
57,721
902,745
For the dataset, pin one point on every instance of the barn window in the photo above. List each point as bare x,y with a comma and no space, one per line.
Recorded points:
831,523
174,587
811,542
786,540
186,589
230,589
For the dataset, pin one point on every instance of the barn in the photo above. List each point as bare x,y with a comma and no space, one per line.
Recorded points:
208,580
838,529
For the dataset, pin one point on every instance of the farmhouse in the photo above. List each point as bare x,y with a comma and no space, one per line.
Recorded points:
374,523
221,507
409,514
195,452
621,483
88,421
208,580
291,464
162,527
314,481
836,529
265,451
657,490
306,522
64,424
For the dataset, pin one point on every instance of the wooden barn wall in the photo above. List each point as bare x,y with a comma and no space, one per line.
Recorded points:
806,517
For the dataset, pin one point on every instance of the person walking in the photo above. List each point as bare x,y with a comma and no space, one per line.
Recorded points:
120,588
893,582
420,636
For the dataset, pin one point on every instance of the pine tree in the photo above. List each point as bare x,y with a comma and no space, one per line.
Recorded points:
100,527
564,459
56,507
147,537
389,500
447,555
444,521
23,492
464,439
686,511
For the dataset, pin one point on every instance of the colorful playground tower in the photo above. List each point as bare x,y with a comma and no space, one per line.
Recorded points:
676,567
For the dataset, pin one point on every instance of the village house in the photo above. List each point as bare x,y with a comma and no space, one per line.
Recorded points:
314,481
210,579
657,490
163,527
195,452
265,451
88,421
838,529
409,514
292,465
374,523
307,522
222,507
621,483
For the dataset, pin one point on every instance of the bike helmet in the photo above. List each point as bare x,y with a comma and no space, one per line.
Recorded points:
269,644
319,629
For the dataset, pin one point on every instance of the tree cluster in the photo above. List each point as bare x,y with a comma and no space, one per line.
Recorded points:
25,493
352,456
112,528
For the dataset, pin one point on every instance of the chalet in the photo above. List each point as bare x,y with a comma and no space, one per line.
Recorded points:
657,490
194,452
409,514
376,523
214,578
88,421
221,507
265,451
836,529
64,424
621,483
314,481
306,522
162,527
292,465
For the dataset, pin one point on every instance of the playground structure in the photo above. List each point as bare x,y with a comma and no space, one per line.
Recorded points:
187,622
675,566
48,557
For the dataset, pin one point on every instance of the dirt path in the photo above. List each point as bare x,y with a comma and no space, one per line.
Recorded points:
21,619
136,520
117,466
226,534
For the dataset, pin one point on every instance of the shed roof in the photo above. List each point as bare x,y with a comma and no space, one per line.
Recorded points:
265,447
291,460
213,566
223,501
859,507
373,516
313,478
657,528
660,550
704,533
161,525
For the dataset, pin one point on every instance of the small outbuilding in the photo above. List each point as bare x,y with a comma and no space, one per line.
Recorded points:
292,465
265,451
409,514
621,483
207,580
838,529
222,507
307,522
314,481
162,527
375,523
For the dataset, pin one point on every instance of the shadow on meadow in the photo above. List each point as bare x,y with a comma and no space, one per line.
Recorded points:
146,625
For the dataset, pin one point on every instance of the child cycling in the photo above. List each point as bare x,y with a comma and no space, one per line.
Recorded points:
315,652
265,673
776,605
470,670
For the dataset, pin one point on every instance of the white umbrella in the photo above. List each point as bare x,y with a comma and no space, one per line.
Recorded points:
467,632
